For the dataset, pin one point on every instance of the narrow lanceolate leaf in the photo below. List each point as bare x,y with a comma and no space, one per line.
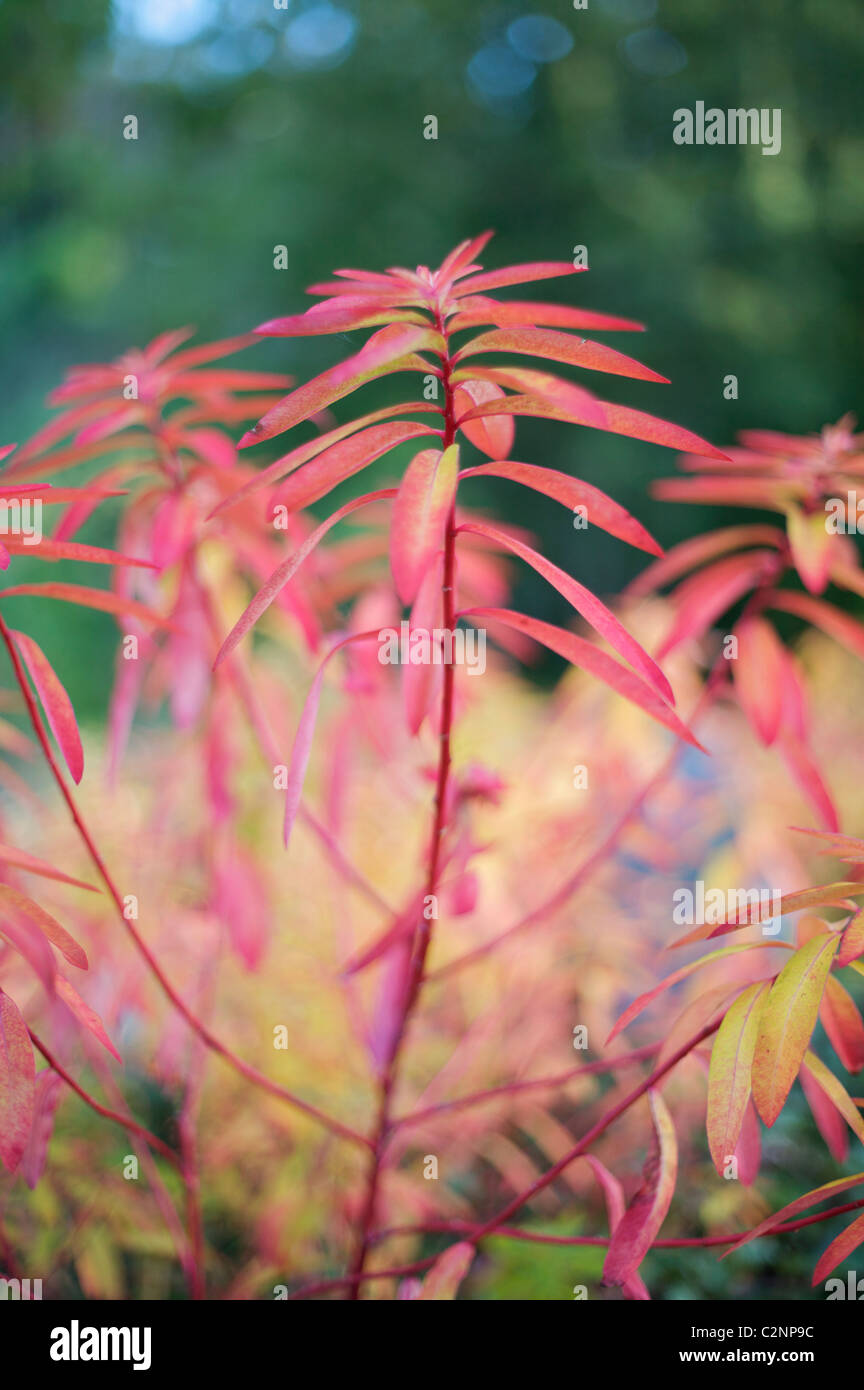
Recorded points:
837,1093
516,275
102,599
729,1074
599,509
31,943
17,1084
20,859
492,434
420,514
616,419
845,630
443,1280
788,1213
286,571
758,671
338,317
293,460
826,895
521,313
839,1250
376,359
343,460
843,1024
559,347
633,1010
55,702
829,1121
598,663
852,941
85,1015
601,618
58,936
638,1228
787,1022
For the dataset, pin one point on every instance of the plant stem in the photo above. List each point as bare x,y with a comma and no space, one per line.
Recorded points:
423,932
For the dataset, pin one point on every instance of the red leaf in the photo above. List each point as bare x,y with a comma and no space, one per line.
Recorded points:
559,347
638,1228
55,702
337,316
605,668
85,1015
102,599
476,311
45,923
380,356
840,1249
572,492
698,550
492,434
829,1121
843,1024
313,447
759,672
420,513
17,1084
516,275
322,474
587,604
20,859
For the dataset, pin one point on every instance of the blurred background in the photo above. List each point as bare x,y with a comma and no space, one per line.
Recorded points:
300,123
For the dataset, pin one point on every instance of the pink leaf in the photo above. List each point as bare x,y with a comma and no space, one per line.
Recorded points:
17,1084
55,702
345,459
638,1228
492,434
420,513
572,492
49,1088
85,1015
559,347
605,668
596,613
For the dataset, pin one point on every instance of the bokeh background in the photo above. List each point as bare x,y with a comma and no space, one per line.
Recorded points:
300,124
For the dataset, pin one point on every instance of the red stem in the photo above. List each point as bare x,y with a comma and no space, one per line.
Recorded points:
422,936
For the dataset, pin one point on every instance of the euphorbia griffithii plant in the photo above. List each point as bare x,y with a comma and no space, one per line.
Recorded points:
197,536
